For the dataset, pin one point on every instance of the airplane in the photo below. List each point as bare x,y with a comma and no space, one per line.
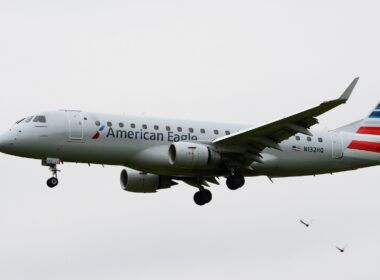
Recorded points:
158,153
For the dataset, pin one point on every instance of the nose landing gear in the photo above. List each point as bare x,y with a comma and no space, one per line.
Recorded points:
52,164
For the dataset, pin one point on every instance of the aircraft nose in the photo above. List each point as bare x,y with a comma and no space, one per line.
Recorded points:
6,140
2,142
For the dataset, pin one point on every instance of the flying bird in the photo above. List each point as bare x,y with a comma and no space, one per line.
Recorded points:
341,249
306,224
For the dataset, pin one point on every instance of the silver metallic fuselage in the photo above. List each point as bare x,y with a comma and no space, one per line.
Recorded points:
72,136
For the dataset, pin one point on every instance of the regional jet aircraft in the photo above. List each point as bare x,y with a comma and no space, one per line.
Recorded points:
157,153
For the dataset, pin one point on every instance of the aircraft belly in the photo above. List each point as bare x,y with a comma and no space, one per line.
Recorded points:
94,153
297,168
296,161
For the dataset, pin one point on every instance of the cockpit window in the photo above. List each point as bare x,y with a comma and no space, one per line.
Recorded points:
40,119
28,119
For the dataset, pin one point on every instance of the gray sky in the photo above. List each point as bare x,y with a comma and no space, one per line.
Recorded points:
233,61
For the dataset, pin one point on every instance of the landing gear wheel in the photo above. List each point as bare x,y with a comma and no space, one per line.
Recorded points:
52,182
52,164
202,197
235,182
197,199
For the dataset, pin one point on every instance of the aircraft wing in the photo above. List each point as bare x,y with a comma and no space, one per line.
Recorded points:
256,139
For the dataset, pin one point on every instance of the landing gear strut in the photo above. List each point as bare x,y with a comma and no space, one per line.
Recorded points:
52,164
202,197
235,181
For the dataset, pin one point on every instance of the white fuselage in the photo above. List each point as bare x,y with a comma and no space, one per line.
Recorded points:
142,143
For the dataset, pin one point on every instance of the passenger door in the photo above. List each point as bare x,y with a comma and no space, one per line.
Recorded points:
337,146
75,125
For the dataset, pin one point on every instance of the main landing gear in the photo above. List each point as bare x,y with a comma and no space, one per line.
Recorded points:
52,164
235,181
202,197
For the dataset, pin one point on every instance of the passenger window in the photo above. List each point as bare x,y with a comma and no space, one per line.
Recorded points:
109,124
191,130
179,129
97,123
216,132
308,139
298,138
144,126
28,119
133,125
167,128
320,140
203,130
228,132
41,119
121,124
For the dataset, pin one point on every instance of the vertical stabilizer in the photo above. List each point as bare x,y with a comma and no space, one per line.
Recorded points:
369,125
365,138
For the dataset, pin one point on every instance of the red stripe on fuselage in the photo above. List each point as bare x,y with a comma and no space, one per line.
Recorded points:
373,130
364,146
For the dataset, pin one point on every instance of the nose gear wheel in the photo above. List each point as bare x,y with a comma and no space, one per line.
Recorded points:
52,182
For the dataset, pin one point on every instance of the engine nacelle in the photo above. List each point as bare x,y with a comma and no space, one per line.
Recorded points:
135,181
187,155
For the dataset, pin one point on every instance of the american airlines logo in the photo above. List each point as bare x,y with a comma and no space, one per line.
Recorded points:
143,135
97,134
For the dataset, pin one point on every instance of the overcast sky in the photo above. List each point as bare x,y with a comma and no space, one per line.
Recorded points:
232,61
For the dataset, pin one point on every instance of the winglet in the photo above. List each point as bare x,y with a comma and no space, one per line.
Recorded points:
346,94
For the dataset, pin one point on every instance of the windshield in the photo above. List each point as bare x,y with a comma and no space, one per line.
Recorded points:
40,119
28,119
25,120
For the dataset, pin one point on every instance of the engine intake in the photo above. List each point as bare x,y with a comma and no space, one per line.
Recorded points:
185,155
135,181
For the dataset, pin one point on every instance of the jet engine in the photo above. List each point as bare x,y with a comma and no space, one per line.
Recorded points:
190,155
135,181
